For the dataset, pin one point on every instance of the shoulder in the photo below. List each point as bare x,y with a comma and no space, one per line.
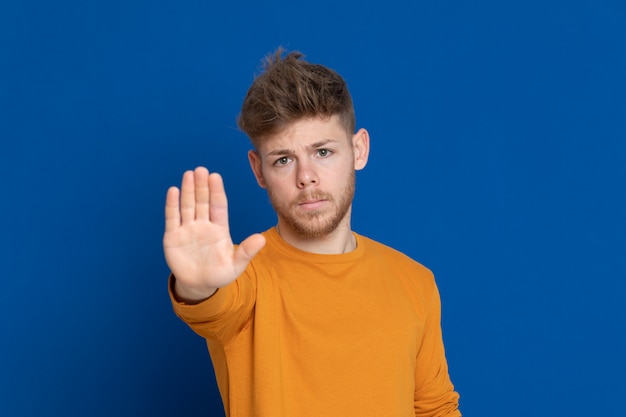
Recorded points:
393,258
398,271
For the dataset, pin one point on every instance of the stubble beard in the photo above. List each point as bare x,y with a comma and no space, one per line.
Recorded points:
316,223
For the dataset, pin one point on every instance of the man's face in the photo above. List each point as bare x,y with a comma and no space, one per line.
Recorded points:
308,170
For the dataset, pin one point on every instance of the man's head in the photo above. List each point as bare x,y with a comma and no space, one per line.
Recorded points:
292,89
300,119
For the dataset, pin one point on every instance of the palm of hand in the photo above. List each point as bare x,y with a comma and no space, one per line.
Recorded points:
200,254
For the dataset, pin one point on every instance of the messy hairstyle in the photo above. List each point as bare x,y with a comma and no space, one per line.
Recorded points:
290,89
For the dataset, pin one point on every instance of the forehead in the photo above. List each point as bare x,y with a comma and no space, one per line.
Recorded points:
305,132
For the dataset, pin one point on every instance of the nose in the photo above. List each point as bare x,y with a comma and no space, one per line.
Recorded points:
306,175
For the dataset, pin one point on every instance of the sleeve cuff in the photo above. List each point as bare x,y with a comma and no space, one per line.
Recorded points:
213,306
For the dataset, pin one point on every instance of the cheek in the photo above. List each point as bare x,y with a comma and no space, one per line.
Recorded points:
277,180
274,174
345,172
278,187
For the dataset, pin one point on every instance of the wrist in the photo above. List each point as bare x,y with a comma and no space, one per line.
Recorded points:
186,295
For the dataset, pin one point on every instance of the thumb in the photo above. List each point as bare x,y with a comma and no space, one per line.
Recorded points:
248,250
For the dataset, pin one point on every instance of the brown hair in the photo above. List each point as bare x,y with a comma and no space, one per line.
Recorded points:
290,89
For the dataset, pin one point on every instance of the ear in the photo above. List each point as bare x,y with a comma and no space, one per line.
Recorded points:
255,164
361,147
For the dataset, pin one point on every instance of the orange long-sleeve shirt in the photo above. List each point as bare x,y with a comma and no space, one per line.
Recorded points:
301,334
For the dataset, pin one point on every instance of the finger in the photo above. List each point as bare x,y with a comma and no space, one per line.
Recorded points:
218,204
201,182
172,209
187,198
248,250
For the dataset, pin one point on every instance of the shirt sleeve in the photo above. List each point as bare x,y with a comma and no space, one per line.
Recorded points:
221,315
434,392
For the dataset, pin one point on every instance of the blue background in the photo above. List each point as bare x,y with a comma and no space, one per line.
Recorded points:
498,160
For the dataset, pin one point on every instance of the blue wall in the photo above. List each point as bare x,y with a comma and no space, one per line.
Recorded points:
498,160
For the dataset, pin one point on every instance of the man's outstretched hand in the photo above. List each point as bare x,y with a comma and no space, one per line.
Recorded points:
197,243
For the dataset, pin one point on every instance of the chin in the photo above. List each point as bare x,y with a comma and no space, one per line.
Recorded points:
312,228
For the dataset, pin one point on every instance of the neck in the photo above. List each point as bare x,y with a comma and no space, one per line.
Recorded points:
341,240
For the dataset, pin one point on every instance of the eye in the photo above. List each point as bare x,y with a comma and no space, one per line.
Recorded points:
324,152
282,161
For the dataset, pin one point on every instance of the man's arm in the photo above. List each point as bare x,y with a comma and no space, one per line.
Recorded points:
434,392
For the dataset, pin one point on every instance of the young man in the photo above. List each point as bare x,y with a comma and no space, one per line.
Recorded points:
307,318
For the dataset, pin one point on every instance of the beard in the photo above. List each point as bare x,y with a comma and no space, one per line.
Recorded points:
316,223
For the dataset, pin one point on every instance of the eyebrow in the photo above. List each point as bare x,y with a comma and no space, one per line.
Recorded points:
314,145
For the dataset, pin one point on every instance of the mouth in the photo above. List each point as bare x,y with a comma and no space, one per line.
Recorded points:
312,204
